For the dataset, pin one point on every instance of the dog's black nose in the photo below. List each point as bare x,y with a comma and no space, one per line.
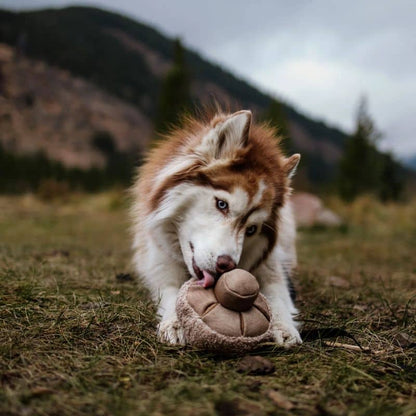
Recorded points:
224,264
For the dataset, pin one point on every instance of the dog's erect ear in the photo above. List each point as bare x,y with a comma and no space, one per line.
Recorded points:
228,136
233,133
290,165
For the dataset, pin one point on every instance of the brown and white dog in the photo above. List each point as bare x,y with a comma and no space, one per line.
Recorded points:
211,197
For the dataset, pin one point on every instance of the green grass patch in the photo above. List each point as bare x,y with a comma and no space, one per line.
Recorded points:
74,340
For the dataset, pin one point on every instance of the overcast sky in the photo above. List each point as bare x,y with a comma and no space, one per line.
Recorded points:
319,55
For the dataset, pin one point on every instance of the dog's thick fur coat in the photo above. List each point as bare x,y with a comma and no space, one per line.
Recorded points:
212,196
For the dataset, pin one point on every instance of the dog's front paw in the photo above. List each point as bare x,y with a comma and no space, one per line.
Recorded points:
170,331
286,335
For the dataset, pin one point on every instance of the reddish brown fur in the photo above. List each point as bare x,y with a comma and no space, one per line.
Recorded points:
260,159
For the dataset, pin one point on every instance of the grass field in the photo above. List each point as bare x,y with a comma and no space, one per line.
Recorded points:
75,340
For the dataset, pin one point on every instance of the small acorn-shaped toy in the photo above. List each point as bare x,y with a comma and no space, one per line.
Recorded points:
231,317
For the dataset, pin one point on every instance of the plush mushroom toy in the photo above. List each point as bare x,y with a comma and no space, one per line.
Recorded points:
230,317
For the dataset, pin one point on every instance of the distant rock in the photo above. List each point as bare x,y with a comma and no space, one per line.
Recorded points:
337,281
328,218
309,211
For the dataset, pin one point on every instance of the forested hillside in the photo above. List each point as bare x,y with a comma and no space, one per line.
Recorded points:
129,60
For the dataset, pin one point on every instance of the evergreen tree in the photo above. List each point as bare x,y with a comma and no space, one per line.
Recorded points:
365,169
276,117
175,92
392,179
360,166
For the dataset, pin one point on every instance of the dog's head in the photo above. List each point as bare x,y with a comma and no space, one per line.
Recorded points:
217,199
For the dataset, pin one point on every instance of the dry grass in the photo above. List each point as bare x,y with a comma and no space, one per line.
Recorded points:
75,341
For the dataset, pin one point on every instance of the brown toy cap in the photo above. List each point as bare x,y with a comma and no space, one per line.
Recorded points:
237,290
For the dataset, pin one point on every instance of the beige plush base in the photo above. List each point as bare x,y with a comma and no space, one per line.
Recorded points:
200,335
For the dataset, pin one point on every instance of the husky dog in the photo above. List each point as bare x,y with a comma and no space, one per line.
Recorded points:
211,197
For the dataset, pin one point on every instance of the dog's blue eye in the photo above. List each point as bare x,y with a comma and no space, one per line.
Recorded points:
222,205
251,230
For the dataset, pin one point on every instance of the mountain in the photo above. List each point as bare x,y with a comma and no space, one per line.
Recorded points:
410,162
79,70
46,108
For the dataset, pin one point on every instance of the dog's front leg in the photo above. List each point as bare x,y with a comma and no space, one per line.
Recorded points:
169,329
164,277
275,288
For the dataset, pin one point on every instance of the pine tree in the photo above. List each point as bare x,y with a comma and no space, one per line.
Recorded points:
276,117
360,166
175,95
392,179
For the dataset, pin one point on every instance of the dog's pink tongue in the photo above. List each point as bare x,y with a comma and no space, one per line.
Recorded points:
209,279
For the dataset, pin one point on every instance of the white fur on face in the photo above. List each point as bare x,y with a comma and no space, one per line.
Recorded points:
205,233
